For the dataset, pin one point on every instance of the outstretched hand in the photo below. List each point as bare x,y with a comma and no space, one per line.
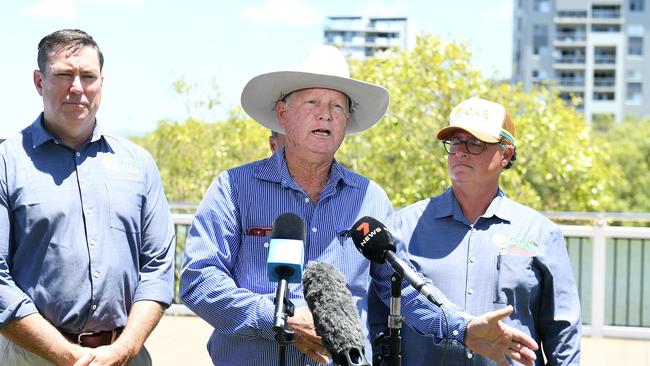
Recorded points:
489,337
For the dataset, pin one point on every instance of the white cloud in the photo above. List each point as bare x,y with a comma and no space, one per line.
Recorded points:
282,11
51,9
503,12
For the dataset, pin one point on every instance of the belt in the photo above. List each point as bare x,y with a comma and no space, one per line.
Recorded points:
93,339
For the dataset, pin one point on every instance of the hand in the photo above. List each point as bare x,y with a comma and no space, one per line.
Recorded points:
306,341
489,337
112,355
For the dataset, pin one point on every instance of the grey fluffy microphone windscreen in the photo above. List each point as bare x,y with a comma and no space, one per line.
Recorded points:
335,315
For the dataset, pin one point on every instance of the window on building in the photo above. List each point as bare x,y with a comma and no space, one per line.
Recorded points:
540,39
542,6
634,93
637,5
601,96
635,46
606,28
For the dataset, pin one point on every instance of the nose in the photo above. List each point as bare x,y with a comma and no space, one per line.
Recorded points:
325,113
76,87
461,151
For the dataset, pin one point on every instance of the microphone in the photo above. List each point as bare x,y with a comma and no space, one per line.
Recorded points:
286,257
376,243
335,315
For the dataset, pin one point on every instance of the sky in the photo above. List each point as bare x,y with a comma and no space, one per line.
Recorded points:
148,44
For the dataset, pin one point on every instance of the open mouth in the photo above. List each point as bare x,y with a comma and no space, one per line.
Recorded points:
321,132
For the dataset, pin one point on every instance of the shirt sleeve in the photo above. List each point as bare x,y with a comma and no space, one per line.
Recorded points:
14,303
447,322
207,286
158,242
559,318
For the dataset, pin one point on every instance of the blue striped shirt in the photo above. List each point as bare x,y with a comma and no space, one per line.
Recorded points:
83,234
224,278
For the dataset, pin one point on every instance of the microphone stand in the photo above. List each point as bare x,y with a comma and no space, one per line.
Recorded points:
284,308
390,353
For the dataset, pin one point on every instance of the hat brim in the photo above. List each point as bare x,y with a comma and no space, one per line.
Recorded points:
261,93
446,132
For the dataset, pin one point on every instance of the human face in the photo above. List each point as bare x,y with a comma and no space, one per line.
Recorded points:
71,87
483,168
314,121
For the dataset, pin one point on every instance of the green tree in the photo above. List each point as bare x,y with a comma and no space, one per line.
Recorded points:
632,154
559,166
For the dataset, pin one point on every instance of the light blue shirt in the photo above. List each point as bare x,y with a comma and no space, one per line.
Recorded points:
512,255
83,234
224,274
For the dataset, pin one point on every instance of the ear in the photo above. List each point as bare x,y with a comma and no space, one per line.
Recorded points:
281,113
507,155
38,82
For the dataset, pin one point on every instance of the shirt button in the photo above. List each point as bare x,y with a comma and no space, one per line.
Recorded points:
83,180
78,154
96,274
92,242
470,291
470,355
306,199
455,332
89,211
266,244
313,230
472,259
94,307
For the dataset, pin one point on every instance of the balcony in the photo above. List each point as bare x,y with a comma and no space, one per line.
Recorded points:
570,37
572,60
604,82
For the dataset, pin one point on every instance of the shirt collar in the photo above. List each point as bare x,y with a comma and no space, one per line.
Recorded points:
500,207
274,169
40,135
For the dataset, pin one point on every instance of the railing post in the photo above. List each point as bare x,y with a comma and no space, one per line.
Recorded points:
598,277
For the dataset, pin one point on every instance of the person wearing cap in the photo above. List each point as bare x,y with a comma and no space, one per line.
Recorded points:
485,251
224,273
86,235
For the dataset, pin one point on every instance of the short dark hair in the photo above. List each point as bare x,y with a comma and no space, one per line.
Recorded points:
66,39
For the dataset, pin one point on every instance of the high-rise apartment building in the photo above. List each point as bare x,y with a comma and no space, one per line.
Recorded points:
598,50
360,37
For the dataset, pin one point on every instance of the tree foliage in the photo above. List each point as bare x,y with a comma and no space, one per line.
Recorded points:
190,154
559,166
632,155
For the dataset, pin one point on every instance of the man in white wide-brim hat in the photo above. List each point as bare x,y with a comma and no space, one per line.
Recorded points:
224,275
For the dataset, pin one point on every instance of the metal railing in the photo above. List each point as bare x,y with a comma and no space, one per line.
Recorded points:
611,265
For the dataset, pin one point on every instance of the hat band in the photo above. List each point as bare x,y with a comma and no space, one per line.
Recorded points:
504,133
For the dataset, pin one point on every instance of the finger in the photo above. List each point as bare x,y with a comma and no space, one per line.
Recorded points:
519,357
524,340
499,314
318,357
85,359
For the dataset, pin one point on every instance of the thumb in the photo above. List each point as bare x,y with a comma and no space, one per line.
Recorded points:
500,314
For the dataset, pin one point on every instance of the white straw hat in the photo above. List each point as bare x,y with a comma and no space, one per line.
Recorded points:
324,67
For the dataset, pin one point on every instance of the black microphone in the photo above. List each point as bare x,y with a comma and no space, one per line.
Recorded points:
335,315
376,243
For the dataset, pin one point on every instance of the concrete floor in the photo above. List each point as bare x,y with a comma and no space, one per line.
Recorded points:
181,340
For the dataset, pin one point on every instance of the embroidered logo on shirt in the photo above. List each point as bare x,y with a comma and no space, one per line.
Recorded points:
514,245
122,168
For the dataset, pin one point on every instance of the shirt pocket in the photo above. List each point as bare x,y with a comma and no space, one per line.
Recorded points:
125,200
514,274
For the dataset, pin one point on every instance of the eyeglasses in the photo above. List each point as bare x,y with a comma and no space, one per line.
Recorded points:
473,146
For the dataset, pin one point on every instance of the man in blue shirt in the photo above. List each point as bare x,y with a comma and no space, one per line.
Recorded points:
86,236
485,251
224,278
